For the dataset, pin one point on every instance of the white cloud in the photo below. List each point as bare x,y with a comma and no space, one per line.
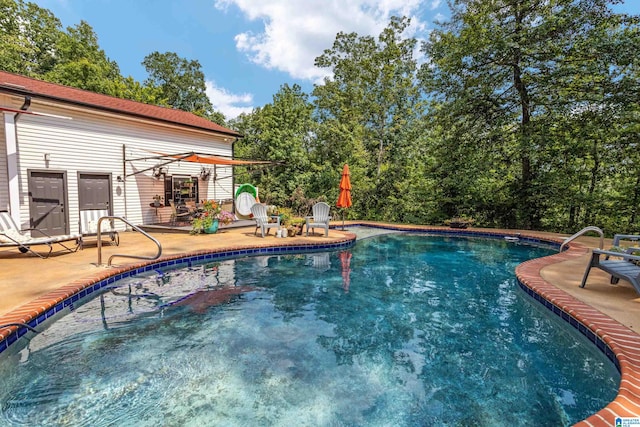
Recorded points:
296,32
435,4
229,104
439,17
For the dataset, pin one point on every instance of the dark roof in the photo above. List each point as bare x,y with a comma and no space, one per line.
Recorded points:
37,88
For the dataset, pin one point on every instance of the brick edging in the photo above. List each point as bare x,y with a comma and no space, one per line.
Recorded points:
618,342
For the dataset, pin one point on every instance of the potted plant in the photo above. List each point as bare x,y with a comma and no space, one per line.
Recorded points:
272,212
296,226
226,217
210,218
157,201
285,216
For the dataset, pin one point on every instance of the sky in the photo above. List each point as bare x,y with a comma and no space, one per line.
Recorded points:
247,48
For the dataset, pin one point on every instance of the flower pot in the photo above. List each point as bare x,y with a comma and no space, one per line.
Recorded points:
213,228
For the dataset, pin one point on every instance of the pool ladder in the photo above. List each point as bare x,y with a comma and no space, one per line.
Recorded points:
581,232
136,228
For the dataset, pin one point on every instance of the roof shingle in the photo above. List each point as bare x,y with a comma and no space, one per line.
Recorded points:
38,88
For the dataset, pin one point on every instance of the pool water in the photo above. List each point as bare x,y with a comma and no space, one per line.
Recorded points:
403,330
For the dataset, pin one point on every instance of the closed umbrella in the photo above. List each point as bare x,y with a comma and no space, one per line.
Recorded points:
344,199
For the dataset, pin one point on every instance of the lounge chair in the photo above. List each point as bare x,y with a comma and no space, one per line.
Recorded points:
12,236
319,219
177,215
89,226
619,237
259,212
626,266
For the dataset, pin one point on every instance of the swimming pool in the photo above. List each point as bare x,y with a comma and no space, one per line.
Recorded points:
403,330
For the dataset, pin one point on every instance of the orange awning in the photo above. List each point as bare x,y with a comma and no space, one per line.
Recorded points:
213,160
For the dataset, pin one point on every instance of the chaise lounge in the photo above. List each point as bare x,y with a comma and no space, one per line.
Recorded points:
89,226
11,236
626,266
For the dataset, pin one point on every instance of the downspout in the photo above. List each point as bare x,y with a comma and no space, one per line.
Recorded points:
233,175
11,144
25,106
124,179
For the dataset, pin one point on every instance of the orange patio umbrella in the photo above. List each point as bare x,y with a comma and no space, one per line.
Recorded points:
344,199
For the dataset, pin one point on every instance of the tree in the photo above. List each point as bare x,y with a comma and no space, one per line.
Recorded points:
81,63
504,70
368,112
280,131
33,43
181,84
28,36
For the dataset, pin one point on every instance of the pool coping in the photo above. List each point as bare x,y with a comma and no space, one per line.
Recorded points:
618,342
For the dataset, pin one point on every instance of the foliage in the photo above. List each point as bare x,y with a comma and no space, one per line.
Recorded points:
28,37
280,131
523,114
514,82
181,84
286,214
463,220
81,63
211,210
369,115
33,43
300,204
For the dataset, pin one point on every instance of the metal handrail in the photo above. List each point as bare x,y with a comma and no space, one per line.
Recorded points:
136,228
24,325
581,232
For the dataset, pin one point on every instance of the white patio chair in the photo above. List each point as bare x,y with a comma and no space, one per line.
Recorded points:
89,226
319,219
259,212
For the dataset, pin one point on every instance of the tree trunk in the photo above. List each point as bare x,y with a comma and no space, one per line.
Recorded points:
593,182
635,202
528,206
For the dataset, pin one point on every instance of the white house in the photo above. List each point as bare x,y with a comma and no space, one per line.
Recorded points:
64,149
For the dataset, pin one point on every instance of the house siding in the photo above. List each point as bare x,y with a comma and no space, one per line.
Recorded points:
92,141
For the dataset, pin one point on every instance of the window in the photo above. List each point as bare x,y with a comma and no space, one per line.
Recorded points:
181,188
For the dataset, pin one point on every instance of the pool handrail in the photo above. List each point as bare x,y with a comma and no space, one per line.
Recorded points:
583,231
136,228
23,325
